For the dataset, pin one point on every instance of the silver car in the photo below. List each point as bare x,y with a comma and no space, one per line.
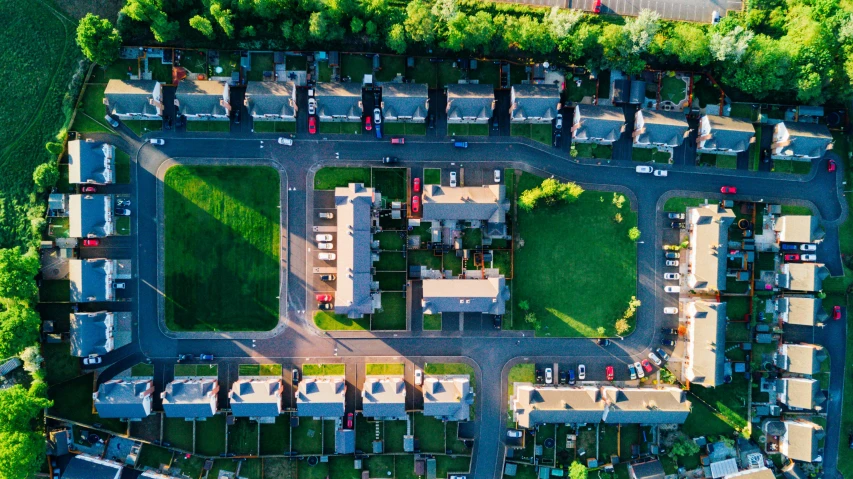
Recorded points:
581,372
453,179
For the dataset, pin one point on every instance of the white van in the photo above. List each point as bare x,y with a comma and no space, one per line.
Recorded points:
326,256
644,169
672,289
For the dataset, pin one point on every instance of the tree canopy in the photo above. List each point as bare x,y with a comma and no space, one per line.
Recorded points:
98,39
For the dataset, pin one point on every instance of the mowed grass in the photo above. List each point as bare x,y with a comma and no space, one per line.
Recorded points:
577,268
222,248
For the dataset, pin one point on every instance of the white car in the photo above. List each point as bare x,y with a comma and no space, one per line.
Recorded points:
671,276
156,141
497,176
549,376
323,237
670,310
325,246
514,433
377,116
808,257
655,359
419,377
715,17
672,262
326,216
581,372
639,368
559,123
661,172
312,106
453,179
120,285
92,360
285,141
644,169
112,121
672,289
808,247
326,256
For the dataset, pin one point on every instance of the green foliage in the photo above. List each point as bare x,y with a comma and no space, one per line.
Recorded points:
19,328
53,147
224,18
17,274
550,191
578,471
203,25
524,305
98,40
21,454
46,175
634,234
683,447
397,39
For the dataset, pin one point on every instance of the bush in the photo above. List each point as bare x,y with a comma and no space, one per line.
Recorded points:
634,234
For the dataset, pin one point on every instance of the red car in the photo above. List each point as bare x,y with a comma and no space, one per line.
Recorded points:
89,189
608,371
398,141
792,257
728,190
416,204
368,124
323,298
312,125
417,185
597,7
647,366
830,167
91,242
349,420
836,312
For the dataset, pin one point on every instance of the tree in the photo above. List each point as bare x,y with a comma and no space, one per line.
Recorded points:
683,447
618,217
600,330
151,11
356,25
53,147
618,200
98,39
32,358
688,43
18,408
765,68
578,471
530,318
641,30
420,21
730,46
17,274
370,30
19,328
524,305
21,454
248,32
634,234
397,38
622,326
46,175
223,17
203,25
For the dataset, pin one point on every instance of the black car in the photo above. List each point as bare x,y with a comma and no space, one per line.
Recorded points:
497,321
390,159
431,120
325,306
604,342
563,377
676,225
668,331
185,357
327,277
667,342
558,139
538,375
295,375
662,354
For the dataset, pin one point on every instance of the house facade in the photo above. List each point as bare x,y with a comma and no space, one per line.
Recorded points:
134,99
271,101
470,103
203,100
405,102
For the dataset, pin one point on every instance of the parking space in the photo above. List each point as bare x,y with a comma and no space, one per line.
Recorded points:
686,10
322,241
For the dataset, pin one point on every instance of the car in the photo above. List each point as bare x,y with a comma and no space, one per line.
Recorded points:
672,255
377,116
285,141
323,237
639,369
655,359
368,124
349,420
123,203
604,342
514,433
808,257
328,277
715,17
113,123
497,320
563,377
325,306
549,376
122,212
608,373
323,297
92,360
788,247
662,354
416,185
294,375
120,285
571,377
670,310
558,139
453,179
182,358
672,289
460,144
728,190
596,7
91,242
431,120
326,256
398,141
808,247
386,160
89,189
205,357
668,331
647,366
667,342
558,124
830,166
312,106
661,173
419,377
632,372
672,262
326,216
497,176
379,132
677,225
836,313
581,372
416,204
325,246
792,257
645,169
312,125
675,216
671,276
157,141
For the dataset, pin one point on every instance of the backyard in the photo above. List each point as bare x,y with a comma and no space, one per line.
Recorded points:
229,281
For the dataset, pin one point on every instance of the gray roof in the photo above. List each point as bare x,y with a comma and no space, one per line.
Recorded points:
321,397
384,397
448,397
648,470
727,133
661,127
124,399
269,98
89,280
91,162
709,234
471,102
707,343
646,406
345,441
201,97
83,466
598,123
536,101
465,295
338,99
484,203
90,216
805,139
130,97
353,295
256,397
405,100
800,441
190,398
91,333
801,393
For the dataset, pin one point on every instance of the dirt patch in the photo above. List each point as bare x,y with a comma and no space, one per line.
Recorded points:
279,467
147,429
104,8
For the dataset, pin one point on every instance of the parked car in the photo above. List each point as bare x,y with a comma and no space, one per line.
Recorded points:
120,285
792,257
157,141
368,124
655,359
325,306
671,255
182,358
514,433
668,331
672,289
808,257
662,354
661,173
604,342
830,166
377,116
122,212
323,297
571,377
670,310
558,125
632,372
89,189
608,373
836,313
647,366
326,216
558,139
675,216
453,179
581,372
205,357
667,342
416,185
715,17
294,375
497,320
91,242
672,262
123,203
398,141
460,144
416,204
349,420
113,123
497,176
671,276
788,247
387,160
285,141
549,376
328,277
808,247
92,360
644,169
312,125
563,377
325,246
596,7
323,237
677,225
419,377
639,369
431,120
312,106
326,256
728,190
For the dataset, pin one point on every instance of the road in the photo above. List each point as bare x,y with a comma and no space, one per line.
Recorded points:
492,353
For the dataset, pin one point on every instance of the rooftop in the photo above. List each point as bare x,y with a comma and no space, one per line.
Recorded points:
448,397
91,162
118,398
709,234
487,295
321,396
384,397
484,203
705,353
190,398
354,205
90,216
256,397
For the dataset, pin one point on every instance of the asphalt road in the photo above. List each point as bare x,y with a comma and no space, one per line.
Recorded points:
491,353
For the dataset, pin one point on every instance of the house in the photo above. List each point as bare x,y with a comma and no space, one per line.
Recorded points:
723,135
271,101
759,473
84,466
134,99
356,293
191,398
800,141
482,204
800,441
122,399
805,277
663,130
91,162
534,103
321,397
90,216
257,399
708,232
384,398
203,100
597,124
532,405
704,356
448,397
92,333
92,279
800,358
470,103
800,310
798,229
405,102
649,469
487,295
338,101
799,393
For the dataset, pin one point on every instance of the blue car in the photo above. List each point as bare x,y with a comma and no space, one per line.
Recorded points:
378,128
460,144
206,357
789,247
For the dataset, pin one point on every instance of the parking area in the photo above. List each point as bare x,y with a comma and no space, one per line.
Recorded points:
686,10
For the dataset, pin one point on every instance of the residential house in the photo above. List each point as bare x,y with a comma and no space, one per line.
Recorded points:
534,103
84,466
321,397
476,204
271,101
805,277
648,469
356,293
708,232
448,397
532,405
800,310
663,130
203,100
124,399
800,141
193,398
798,229
405,102
486,295
800,393
91,162
705,354
257,399
800,441
470,103
800,358
723,135
384,398
134,99
92,279
338,101
597,124
92,333
90,216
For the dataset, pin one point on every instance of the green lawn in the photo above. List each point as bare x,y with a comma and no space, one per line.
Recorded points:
342,467
468,129
432,322
471,238
210,435
260,62
142,369
425,258
118,70
391,182
178,433
308,436
590,150
58,363
442,369
727,161
73,400
393,313
325,72
445,465
204,125
329,321
453,263
332,177
487,73
796,210
430,432
91,111
446,73
274,126
275,438
521,373
389,240
55,290
122,164
123,225
571,253
390,281
680,205
401,128
356,66
381,465
323,369
540,132
391,261
260,370
229,281
729,401
57,227
141,127
649,154
745,111
432,176
340,127
702,421
377,369
196,369
673,89
795,167
575,93
153,456
243,437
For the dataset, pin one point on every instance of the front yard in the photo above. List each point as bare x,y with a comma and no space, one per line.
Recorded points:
540,132
332,177
650,154
468,129
590,150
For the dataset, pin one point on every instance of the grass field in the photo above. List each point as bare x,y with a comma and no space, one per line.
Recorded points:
673,89
339,127
393,313
259,370
141,127
432,322
230,280
572,252
210,435
58,363
332,177
329,321
73,400
142,369
153,456
274,126
178,433
521,373
400,128
679,205
275,438
536,132
243,437
203,125
378,369
795,167
391,182
308,436
589,150
468,129
260,62
91,111
323,369
649,154
432,176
